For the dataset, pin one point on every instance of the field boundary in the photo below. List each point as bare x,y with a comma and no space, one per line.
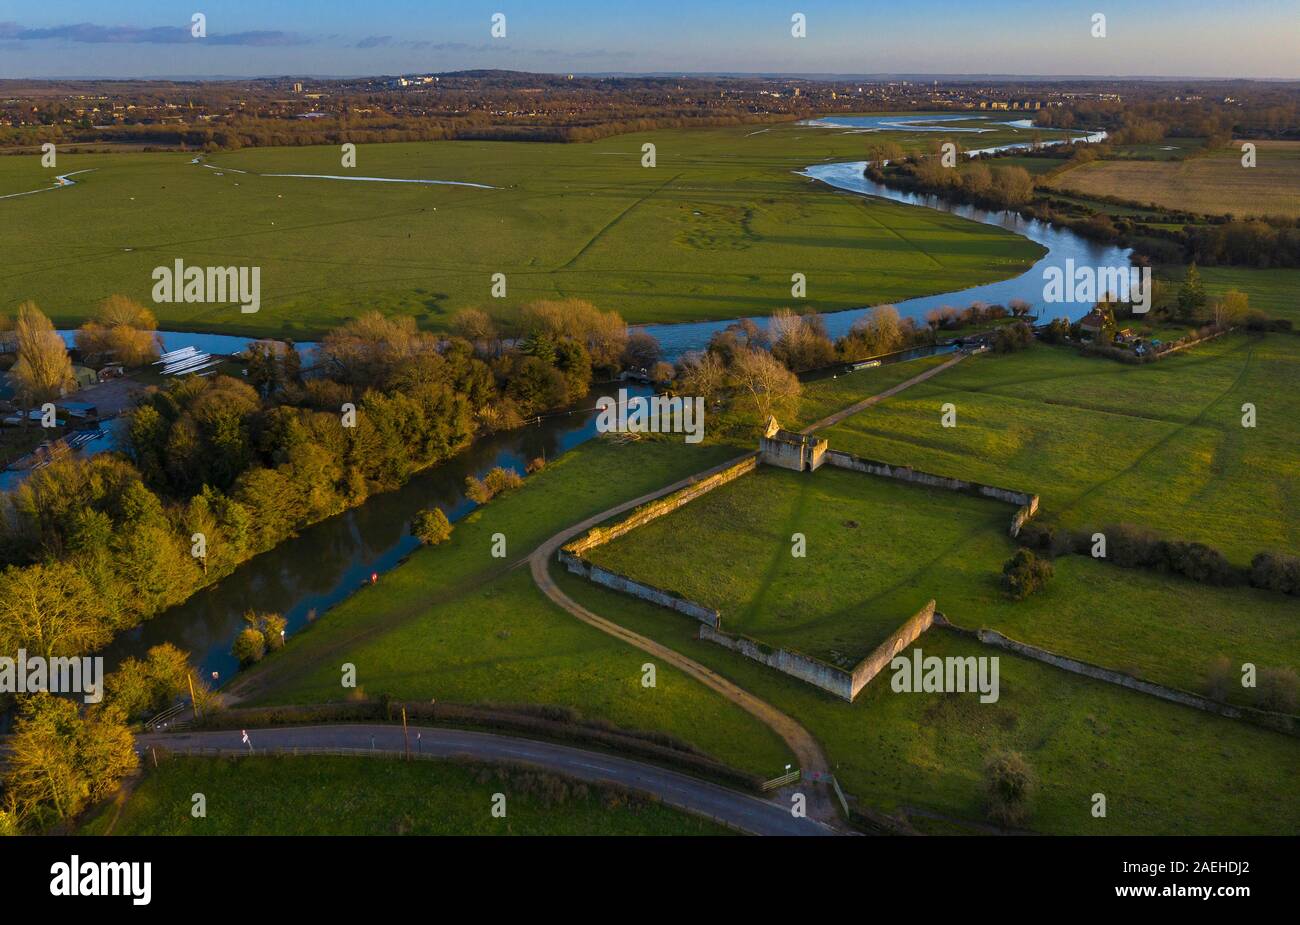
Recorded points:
842,683
1277,722
1026,504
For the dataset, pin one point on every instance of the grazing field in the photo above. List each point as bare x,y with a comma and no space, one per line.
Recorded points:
456,624
823,397
1275,292
865,538
731,550
1160,445
316,795
714,230
1215,184
1165,769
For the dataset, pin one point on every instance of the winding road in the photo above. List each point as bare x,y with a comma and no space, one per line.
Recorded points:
739,810
808,752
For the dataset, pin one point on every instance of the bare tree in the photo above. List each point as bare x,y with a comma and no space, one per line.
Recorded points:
767,388
702,374
477,326
878,331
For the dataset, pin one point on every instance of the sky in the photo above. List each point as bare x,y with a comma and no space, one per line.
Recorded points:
247,38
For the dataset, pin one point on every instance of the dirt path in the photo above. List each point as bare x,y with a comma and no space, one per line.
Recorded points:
854,408
808,752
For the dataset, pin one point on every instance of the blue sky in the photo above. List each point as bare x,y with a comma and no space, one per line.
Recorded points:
131,38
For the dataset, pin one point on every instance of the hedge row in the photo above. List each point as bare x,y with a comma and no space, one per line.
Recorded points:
1131,546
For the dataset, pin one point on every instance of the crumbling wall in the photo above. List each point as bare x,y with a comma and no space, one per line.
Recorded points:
1027,504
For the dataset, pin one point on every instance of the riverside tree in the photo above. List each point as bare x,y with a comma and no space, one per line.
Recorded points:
61,760
43,370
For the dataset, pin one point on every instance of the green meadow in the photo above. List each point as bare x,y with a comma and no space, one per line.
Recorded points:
317,795
823,397
877,550
1160,445
864,540
714,230
455,624
1276,292
1164,769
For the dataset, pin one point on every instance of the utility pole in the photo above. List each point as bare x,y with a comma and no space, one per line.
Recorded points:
406,738
189,676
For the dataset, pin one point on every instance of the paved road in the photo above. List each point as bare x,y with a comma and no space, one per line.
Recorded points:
745,812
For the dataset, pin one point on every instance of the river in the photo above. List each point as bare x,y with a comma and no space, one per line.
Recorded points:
305,576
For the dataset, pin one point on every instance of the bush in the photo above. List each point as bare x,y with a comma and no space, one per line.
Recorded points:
497,480
536,464
476,491
1013,337
1276,572
250,646
501,480
431,526
1024,573
1009,784
1134,547
1278,690
273,627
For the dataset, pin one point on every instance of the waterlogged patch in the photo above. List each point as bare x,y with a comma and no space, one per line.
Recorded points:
657,414
930,674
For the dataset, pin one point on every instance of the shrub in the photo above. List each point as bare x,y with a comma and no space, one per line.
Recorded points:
536,464
497,480
250,646
1279,689
273,626
1276,572
502,480
1009,784
431,526
1013,337
1024,573
476,491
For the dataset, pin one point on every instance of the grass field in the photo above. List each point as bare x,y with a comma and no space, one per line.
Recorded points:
1275,292
1215,184
1165,769
1160,445
866,538
731,550
315,795
823,397
714,230
458,625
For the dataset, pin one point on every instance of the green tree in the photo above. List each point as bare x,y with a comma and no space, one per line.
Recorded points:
60,760
43,369
431,526
1191,295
